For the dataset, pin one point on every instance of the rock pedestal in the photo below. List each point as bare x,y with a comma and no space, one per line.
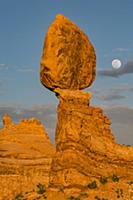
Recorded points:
85,146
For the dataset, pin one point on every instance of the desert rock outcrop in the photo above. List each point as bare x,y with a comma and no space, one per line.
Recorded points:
85,146
68,59
25,156
7,121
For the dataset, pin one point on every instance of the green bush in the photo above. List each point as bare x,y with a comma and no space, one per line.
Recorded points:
83,194
92,185
115,178
19,196
41,189
103,180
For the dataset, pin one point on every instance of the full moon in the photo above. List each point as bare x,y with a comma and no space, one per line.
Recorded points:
116,63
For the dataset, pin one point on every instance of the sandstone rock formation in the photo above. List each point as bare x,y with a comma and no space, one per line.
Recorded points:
68,60
25,156
7,121
85,146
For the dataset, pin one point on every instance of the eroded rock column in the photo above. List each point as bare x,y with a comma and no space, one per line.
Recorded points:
85,146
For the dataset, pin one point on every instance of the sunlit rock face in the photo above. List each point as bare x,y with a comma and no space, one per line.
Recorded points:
85,146
25,156
7,121
25,140
68,59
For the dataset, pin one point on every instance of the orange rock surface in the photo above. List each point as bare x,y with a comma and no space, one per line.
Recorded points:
7,121
87,155
87,163
85,146
25,156
68,59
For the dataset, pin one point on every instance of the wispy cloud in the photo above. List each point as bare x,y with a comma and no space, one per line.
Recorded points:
122,88
122,123
3,66
115,73
26,70
120,49
45,113
112,90
110,97
111,94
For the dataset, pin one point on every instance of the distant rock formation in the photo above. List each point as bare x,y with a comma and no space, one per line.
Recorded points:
29,134
85,146
7,121
25,155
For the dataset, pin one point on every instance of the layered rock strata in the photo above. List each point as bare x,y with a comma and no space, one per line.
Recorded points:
85,146
25,155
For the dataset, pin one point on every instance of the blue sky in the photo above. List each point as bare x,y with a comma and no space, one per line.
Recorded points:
108,24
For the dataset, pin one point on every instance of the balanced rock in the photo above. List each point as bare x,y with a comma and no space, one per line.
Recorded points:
68,60
86,151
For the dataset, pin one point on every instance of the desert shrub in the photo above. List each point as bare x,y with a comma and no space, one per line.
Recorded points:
115,178
41,188
18,196
92,185
73,198
96,197
83,194
77,198
103,180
